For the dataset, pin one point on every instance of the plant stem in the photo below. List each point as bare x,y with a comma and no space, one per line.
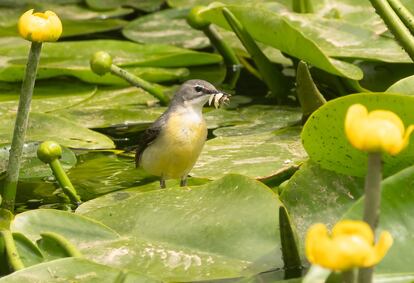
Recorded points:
403,13
64,181
372,202
229,57
271,75
12,254
395,25
20,127
348,276
154,90
302,6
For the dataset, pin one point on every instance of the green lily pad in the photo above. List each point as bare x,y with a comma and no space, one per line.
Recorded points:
29,253
98,173
396,217
260,22
31,166
143,5
190,234
50,127
47,96
338,38
72,58
314,194
73,270
258,156
324,137
166,27
77,229
191,3
260,119
404,86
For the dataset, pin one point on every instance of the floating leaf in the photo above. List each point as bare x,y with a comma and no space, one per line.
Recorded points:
190,234
166,27
47,96
49,127
324,137
72,58
144,5
258,156
260,118
73,270
31,166
404,86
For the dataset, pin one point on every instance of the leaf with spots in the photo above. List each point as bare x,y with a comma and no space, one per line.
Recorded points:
324,137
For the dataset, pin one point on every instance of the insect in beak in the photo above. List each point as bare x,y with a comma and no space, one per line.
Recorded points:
219,98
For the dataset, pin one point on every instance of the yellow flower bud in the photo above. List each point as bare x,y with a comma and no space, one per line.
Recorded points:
40,27
350,245
376,131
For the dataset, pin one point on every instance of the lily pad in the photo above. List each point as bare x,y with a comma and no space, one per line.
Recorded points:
47,96
259,156
324,137
191,3
78,229
50,127
396,210
73,270
98,173
404,86
314,194
72,58
190,234
260,119
143,5
259,21
31,166
166,27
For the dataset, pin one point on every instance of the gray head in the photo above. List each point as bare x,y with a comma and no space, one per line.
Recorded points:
194,93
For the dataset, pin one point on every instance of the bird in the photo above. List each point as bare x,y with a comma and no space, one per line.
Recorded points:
170,147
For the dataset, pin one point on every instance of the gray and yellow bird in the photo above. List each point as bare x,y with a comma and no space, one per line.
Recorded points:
170,147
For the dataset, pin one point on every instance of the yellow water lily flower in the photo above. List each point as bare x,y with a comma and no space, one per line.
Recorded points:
350,245
376,131
40,27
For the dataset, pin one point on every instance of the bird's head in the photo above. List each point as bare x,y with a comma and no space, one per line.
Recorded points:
196,93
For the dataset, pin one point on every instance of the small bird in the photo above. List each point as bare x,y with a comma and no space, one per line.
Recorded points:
170,147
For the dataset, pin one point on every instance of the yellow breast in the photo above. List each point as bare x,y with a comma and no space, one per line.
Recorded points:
176,150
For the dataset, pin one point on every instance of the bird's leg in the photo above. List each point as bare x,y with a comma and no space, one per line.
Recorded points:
183,182
162,183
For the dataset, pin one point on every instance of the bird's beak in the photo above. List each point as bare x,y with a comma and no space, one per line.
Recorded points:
219,98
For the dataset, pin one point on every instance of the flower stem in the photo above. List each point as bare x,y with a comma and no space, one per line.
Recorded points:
348,276
20,127
138,82
395,25
403,13
371,204
64,181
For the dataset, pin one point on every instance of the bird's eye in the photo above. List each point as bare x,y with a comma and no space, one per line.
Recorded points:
198,88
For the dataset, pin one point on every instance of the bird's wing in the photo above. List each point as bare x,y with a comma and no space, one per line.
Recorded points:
150,134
